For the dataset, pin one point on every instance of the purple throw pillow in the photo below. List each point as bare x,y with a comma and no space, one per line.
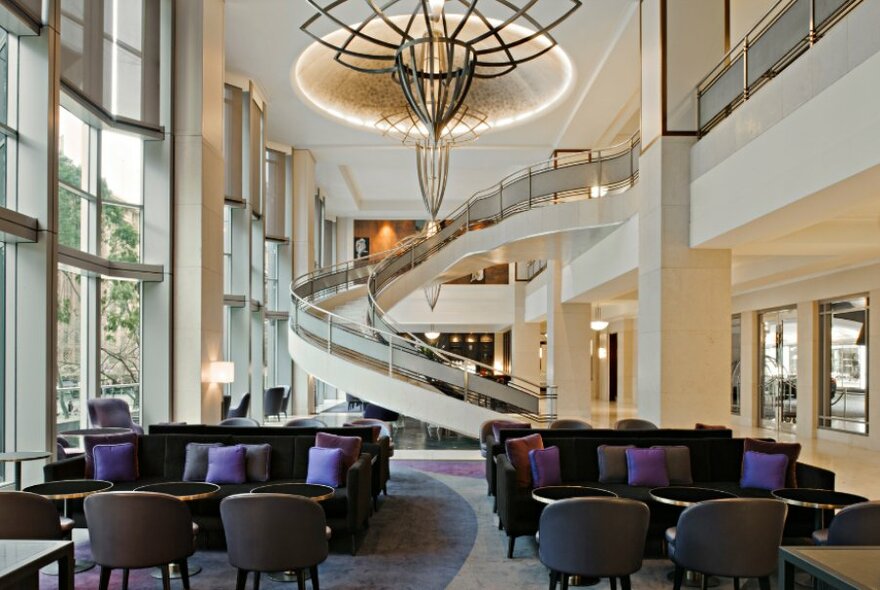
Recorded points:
546,469
763,471
325,466
115,462
647,467
350,445
497,427
226,465
90,441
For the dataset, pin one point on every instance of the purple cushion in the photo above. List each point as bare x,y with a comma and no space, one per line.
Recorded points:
502,425
546,469
115,462
763,471
226,465
350,445
90,441
195,466
325,466
646,467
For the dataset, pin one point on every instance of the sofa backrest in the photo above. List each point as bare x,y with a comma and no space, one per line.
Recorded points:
365,432
611,434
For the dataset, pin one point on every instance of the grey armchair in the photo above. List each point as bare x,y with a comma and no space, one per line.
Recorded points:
634,424
30,516
570,424
273,399
238,422
736,538
858,524
306,423
596,537
274,532
285,401
242,409
133,530
111,412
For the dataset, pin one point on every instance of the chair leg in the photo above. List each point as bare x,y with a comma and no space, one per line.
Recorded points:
554,579
256,580
125,579
736,584
300,580
764,583
704,582
511,541
678,577
184,573
500,525
564,580
625,583
613,583
354,544
166,577
313,574
104,582
241,579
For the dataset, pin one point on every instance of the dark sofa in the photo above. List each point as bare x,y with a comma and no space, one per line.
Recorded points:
381,467
715,463
161,457
496,448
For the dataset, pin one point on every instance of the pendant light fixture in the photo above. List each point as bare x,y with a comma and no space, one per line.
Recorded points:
598,324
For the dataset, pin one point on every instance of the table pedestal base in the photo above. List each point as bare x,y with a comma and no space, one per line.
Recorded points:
288,577
694,580
174,571
79,566
582,581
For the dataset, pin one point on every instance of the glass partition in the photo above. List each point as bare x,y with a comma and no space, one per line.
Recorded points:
843,385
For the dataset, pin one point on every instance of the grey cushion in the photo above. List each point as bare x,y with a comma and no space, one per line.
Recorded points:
678,463
612,463
257,461
196,466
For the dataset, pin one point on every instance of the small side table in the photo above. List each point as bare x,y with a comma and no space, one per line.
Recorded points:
551,494
17,458
821,501
185,491
70,489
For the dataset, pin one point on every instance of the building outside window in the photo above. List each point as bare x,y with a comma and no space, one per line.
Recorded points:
843,385
100,213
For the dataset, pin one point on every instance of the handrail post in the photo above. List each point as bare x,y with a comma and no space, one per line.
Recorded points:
467,212
812,34
466,383
390,357
530,188
500,201
746,68
329,333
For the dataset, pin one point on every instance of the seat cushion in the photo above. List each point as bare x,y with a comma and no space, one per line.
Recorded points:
820,537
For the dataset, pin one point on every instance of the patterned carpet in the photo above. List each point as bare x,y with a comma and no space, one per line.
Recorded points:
435,530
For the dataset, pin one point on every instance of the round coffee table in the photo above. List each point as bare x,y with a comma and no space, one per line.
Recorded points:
312,491
682,497
20,456
70,489
821,501
186,491
551,494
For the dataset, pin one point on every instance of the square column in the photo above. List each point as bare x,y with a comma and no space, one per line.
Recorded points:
303,240
569,368
525,342
198,208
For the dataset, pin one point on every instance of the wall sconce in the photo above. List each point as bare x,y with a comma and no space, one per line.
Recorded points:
221,372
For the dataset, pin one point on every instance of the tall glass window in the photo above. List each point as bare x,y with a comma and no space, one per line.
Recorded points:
272,276
72,347
121,342
843,385
735,365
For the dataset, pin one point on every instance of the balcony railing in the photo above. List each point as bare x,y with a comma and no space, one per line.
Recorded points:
789,29
382,346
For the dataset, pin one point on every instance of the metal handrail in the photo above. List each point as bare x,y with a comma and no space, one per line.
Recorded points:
344,335
732,82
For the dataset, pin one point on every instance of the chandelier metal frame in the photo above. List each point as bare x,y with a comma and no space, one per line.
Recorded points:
376,37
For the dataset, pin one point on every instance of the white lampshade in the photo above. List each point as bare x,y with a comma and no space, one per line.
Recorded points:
432,335
221,372
598,325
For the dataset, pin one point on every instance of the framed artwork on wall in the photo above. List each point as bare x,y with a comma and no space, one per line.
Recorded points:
361,247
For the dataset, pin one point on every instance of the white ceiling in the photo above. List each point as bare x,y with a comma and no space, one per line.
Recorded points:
365,175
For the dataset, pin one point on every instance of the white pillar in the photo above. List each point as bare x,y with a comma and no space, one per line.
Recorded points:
525,345
568,349
303,211
809,362
749,355
198,207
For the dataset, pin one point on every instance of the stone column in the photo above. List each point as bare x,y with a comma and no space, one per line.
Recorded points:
303,240
684,294
525,340
568,349
749,370
809,362
198,207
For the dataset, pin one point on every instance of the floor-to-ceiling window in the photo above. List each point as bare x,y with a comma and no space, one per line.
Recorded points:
843,374
735,368
100,176
778,369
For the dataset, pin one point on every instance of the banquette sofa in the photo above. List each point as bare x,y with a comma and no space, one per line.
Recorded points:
715,463
381,466
496,447
161,457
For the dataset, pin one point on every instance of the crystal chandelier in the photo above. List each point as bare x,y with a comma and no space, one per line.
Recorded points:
436,47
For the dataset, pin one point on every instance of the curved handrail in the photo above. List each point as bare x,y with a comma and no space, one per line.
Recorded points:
577,176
